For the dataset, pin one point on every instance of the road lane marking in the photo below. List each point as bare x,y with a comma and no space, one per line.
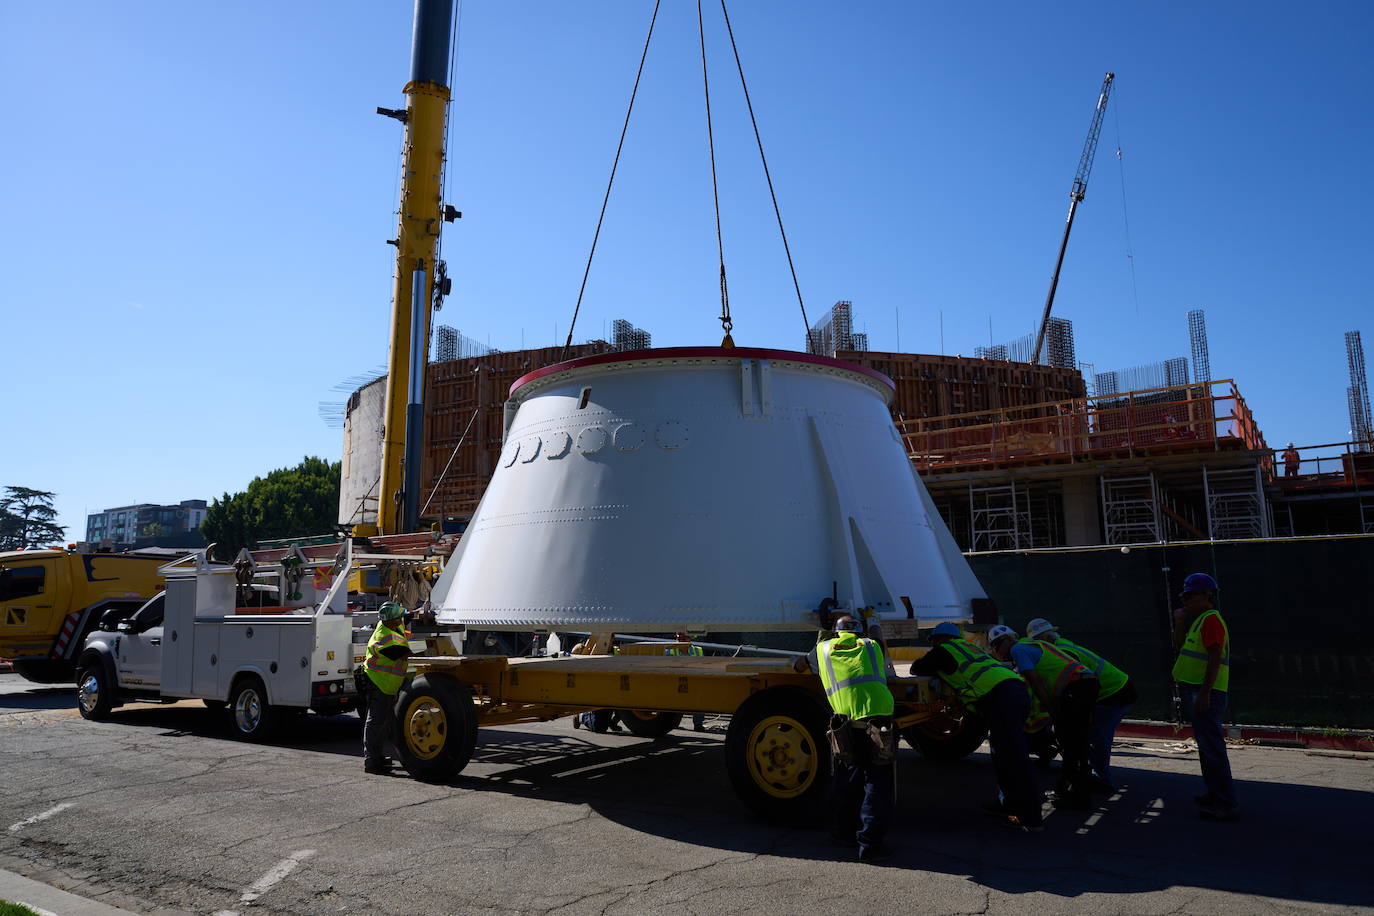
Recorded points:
275,875
41,816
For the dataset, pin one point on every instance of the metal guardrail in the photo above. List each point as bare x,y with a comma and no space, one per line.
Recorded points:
1206,415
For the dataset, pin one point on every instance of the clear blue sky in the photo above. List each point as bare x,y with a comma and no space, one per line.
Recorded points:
197,198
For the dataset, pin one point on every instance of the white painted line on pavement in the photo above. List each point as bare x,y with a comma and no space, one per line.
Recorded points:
41,816
274,877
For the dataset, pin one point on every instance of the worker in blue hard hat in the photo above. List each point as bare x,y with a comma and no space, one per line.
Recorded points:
996,694
1116,695
1203,672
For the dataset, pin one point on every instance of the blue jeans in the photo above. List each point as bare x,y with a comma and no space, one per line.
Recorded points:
1211,744
861,802
1107,715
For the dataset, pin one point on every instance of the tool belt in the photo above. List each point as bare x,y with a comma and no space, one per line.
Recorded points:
872,740
362,682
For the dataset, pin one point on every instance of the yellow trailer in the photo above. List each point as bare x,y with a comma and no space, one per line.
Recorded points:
777,753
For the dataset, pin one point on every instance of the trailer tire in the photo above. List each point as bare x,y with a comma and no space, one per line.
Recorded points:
250,716
436,727
644,724
94,692
777,754
949,737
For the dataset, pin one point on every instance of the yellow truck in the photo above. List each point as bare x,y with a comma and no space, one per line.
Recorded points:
50,600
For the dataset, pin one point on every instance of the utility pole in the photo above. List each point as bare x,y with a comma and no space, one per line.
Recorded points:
1076,193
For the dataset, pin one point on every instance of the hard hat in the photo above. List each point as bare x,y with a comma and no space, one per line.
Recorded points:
849,625
390,611
998,632
1039,627
1199,582
946,628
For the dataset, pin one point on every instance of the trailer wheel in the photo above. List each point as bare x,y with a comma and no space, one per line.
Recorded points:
94,695
250,716
644,724
777,754
436,727
952,736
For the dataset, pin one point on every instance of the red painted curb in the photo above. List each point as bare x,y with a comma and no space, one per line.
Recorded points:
1299,737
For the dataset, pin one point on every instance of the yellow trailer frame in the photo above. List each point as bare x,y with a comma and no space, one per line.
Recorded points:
777,752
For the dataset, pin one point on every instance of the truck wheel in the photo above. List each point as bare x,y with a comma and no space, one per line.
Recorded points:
436,727
777,754
250,717
94,695
644,724
952,736
45,670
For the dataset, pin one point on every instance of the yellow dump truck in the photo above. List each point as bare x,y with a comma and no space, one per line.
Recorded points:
50,600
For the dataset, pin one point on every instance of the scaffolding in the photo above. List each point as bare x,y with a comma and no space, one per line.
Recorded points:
836,332
1000,517
1130,510
1197,339
1236,507
625,336
1357,394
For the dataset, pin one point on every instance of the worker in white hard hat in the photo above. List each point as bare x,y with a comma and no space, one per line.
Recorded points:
1040,740
1116,695
997,695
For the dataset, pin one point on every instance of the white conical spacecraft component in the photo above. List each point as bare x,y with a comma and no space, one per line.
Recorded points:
701,488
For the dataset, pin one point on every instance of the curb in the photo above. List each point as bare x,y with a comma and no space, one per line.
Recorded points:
1262,735
44,898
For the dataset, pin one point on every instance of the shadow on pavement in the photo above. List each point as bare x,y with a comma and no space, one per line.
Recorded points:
1296,842
37,697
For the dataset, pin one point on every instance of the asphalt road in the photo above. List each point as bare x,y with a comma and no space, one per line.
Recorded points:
159,811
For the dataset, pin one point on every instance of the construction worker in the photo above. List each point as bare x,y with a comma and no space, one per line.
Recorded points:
854,676
1115,697
698,719
1066,688
1291,461
1203,671
386,670
997,695
1039,727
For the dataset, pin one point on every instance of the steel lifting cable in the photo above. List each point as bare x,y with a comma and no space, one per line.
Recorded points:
725,322
567,345
777,212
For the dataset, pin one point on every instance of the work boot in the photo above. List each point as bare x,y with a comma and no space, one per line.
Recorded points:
577,720
1219,813
377,768
1206,799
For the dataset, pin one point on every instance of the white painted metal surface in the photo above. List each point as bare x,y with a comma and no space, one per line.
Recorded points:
702,488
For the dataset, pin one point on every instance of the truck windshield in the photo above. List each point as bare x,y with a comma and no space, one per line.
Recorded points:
20,582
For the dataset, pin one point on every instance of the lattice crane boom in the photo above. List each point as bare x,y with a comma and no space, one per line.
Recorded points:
1077,191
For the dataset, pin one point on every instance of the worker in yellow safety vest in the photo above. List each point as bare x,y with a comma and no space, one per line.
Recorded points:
862,737
1065,687
384,670
1115,696
698,719
996,694
1203,671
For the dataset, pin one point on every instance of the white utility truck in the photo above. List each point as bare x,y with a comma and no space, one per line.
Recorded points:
267,640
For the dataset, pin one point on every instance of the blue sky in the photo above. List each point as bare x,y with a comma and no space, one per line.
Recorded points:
197,198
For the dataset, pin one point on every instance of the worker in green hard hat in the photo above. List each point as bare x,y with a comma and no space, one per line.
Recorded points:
384,671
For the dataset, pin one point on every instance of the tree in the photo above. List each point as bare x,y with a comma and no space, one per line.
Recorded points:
154,530
27,519
288,502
